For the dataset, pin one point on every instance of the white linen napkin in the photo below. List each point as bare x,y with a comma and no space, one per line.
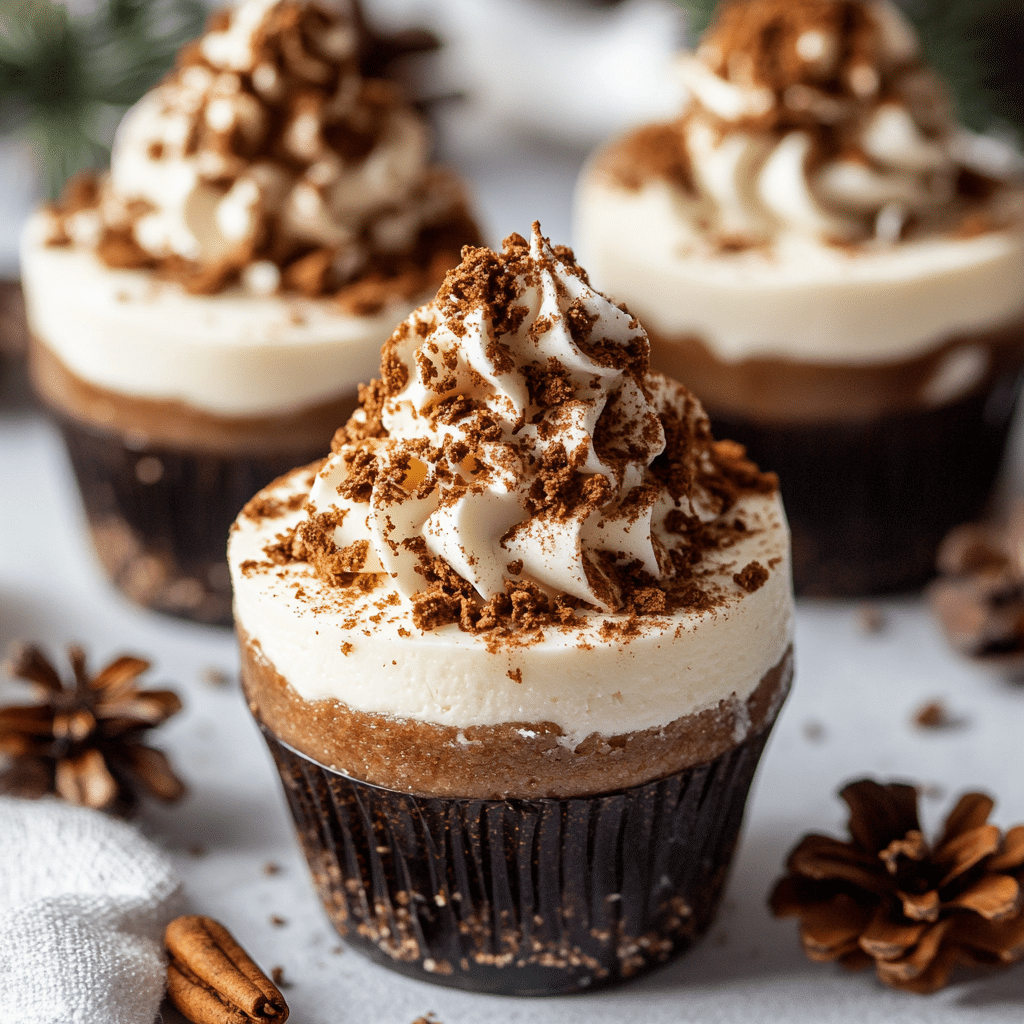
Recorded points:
84,899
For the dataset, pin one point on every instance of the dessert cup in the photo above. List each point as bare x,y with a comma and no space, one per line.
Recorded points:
835,268
521,897
517,644
203,314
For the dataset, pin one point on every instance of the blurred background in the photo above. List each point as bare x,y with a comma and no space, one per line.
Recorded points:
520,88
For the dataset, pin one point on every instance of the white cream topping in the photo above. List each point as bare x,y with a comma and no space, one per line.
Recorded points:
179,150
475,503
517,437
910,164
583,680
236,355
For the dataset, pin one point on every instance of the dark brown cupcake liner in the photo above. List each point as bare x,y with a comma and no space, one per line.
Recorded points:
159,517
515,896
868,503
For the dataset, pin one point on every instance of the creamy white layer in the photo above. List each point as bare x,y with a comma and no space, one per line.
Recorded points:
581,680
800,297
233,354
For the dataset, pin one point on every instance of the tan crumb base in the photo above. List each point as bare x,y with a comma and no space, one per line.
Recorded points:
522,759
798,392
178,425
521,897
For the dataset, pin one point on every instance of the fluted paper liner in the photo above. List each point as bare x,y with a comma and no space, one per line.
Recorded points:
159,517
894,487
521,897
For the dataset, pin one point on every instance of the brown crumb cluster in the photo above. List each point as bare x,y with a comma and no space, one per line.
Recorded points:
767,34
522,609
561,490
291,89
752,577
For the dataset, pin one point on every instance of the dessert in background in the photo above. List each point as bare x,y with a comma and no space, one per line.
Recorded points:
202,314
518,642
835,268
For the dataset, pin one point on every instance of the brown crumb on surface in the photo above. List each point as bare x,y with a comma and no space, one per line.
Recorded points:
197,850
277,921
214,676
653,151
871,618
815,731
271,868
277,976
935,714
515,674
266,506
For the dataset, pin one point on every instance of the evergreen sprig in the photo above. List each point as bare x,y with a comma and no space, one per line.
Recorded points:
974,46
66,81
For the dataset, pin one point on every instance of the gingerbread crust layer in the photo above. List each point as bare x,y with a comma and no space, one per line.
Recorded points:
519,759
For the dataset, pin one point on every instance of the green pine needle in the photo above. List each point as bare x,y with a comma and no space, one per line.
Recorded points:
65,82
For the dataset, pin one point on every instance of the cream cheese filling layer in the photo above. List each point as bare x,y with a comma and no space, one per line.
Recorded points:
365,651
235,354
799,298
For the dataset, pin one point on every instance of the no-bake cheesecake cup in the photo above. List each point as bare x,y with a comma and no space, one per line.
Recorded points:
203,314
517,645
835,268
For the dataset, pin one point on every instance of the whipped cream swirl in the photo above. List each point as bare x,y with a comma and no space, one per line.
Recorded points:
266,145
518,436
819,118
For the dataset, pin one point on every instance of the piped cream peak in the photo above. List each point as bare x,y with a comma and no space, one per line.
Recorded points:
518,437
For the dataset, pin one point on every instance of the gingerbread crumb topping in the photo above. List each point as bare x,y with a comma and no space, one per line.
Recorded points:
522,392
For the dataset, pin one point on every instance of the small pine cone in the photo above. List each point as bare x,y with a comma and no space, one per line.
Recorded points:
913,910
83,739
978,598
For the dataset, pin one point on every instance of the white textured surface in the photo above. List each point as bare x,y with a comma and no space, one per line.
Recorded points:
83,905
861,690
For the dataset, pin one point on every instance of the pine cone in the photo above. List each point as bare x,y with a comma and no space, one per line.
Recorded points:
979,597
886,897
83,741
